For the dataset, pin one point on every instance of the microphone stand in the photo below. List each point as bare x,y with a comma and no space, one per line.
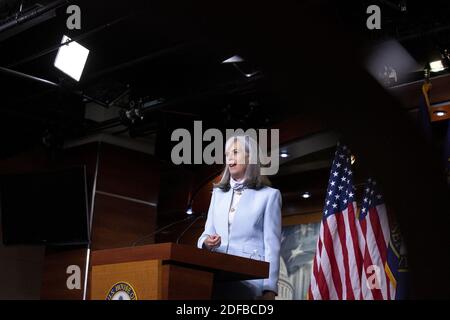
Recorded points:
188,227
159,230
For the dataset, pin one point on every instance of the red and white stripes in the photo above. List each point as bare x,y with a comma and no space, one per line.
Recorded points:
350,257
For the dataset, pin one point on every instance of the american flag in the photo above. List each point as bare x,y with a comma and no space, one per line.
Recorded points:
351,260
374,243
338,261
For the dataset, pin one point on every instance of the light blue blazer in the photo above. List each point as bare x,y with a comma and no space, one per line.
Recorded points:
255,232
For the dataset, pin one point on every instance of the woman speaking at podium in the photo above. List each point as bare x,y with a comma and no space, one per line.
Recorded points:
244,219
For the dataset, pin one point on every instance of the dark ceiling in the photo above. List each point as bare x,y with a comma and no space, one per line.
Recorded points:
170,52
137,52
422,28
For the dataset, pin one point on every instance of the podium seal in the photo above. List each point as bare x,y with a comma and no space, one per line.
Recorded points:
121,291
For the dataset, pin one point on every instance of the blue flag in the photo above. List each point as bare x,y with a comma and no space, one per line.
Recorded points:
397,263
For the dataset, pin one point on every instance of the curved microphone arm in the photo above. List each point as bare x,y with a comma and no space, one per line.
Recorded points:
159,230
188,227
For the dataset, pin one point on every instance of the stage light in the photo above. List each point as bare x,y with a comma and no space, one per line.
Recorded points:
436,66
352,159
233,59
71,58
284,154
440,113
306,195
189,211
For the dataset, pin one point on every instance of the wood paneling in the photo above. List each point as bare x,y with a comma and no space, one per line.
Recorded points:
119,222
145,277
58,259
187,273
119,218
128,173
186,255
302,219
55,275
181,283
202,198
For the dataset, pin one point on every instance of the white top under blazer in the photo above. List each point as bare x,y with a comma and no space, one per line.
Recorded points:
255,231
234,200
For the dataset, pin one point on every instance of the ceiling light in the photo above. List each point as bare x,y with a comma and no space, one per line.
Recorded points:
306,195
284,154
233,59
71,58
249,75
189,210
436,66
440,113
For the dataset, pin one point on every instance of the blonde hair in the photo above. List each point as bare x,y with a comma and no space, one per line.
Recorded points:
252,177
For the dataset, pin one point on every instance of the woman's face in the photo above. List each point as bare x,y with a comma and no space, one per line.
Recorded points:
236,160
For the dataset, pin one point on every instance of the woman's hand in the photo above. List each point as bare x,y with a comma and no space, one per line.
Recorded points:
212,242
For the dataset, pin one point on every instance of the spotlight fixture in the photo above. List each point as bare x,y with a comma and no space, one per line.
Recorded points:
71,58
306,195
436,66
284,154
189,211
352,159
440,113
233,59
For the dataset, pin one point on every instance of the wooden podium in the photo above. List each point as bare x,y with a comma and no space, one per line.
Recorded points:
166,271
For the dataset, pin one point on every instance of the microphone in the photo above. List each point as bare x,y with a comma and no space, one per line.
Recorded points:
188,227
159,230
